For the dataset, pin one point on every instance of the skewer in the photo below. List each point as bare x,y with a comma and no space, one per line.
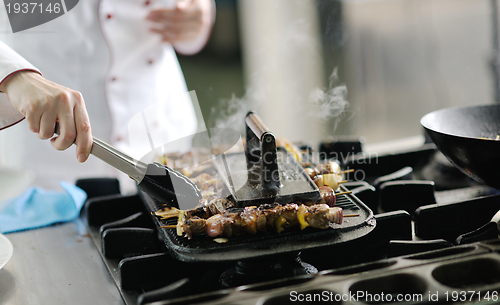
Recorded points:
343,193
169,227
168,216
347,171
343,181
351,215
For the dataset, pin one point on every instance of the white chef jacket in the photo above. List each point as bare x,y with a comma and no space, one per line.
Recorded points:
131,82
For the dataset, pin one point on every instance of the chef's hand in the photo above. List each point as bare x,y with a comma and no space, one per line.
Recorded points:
44,103
182,23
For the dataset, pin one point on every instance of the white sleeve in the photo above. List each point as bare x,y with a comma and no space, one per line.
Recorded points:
10,62
195,45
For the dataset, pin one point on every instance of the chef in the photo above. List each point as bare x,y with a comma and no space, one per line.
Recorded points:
106,68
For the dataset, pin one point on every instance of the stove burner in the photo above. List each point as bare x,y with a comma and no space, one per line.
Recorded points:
444,174
262,270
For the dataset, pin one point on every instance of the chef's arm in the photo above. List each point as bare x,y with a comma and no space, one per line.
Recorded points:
187,26
43,103
10,63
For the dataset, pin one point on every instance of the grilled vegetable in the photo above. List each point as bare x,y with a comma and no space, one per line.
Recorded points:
333,180
301,217
330,167
280,221
168,212
318,180
291,148
180,221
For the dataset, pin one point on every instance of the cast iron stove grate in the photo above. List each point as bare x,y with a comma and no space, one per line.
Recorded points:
146,271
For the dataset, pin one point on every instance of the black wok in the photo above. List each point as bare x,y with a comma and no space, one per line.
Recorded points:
466,136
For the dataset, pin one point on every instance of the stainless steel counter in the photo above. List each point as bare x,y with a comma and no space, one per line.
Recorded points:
58,264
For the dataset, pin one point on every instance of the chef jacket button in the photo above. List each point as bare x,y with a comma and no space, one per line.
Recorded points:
113,79
146,3
150,61
119,138
109,16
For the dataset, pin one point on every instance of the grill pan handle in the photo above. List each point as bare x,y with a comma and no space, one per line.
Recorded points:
261,151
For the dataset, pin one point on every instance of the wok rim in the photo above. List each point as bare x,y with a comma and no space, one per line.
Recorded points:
424,121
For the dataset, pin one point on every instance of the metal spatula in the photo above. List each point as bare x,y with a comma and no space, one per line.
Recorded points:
158,181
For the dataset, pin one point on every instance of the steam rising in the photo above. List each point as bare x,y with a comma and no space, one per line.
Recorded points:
331,102
322,104
231,112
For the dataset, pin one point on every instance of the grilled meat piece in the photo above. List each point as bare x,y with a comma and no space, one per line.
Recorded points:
219,206
317,216
271,211
227,225
201,212
288,217
237,226
327,196
336,215
216,225
194,226
255,220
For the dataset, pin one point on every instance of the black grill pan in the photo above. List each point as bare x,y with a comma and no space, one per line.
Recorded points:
204,248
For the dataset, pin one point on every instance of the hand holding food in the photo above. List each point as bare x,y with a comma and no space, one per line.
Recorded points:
44,103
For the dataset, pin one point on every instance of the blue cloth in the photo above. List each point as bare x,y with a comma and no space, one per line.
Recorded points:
37,207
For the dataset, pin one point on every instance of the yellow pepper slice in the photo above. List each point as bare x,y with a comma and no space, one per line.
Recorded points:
278,224
301,216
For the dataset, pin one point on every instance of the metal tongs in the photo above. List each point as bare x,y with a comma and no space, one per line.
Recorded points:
158,181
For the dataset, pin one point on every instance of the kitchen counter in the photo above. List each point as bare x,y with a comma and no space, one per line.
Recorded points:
58,264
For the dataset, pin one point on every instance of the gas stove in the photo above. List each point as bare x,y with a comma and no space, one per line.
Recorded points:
434,242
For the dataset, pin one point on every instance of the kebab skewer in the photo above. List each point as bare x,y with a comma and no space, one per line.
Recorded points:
216,205
218,217
327,174
252,220
214,217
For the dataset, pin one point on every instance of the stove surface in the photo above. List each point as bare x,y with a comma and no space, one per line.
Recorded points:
56,265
